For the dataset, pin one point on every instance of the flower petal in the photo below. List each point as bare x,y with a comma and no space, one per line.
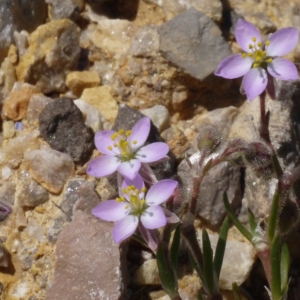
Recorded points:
160,191
153,217
103,166
111,210
129,169
234,66
283,69
152,152
150,236
139,132
254,82
244,32
282,42
103,141
137,181
125,228
171,217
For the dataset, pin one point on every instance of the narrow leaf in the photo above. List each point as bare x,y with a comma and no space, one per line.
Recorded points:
273,216
220,249
244,231
275,268
208,267
236,291
166,273
174,250
252,221
284,267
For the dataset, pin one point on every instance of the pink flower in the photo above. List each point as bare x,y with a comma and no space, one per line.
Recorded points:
135,208
261,61
123,151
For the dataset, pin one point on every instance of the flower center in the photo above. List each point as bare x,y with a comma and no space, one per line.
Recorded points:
127,151
258,54
136,203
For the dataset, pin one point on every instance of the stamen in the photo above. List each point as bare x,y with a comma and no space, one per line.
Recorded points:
249,54
250,46
114,136
255,65
267,43
121,131
244,55
134,142
254,39
109,148
128,133
259,44
144,190
115,145
269,60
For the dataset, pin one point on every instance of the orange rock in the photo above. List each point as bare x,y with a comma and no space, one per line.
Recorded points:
15,105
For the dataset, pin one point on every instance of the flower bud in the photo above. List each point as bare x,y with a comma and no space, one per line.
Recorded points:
208,138
259,156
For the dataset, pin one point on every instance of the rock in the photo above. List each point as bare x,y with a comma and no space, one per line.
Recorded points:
4,257
146,42
6,173
224,177
8,74
17,16
80,270
52,53
78,81
238,259
102,99
194,43
92,117
36,105
159,115
8,128
147,273
7,193
68,9
62,125
179,96
79,195
31,194
50,168
15,105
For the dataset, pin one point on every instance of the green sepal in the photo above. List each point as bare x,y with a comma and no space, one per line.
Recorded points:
275,257
174,249
284,268
252,221
273,216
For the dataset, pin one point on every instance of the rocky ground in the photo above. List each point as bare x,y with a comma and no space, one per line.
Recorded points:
73,67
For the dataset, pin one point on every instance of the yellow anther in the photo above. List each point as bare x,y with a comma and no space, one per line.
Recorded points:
267,43
259,44
269,60
254,39
128,133
244,55
137,191
115,145
264,53
109,147
114,136
118,199
122,198
124,190
121,131
144,190
250,46
255,65
143,201
134,142
124,153
126,207
249,54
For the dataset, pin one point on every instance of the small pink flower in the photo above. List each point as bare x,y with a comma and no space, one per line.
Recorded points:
261,61
134,208
124,151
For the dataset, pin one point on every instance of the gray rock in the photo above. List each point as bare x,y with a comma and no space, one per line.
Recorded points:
194,43
222,178
4,257
62,125
89,264
50,168
67,9
31,194
16,16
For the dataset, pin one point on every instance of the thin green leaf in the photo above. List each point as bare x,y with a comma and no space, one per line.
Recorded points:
275,268
208,267
236,291
252,221
244,231
284,267
207,166
196,267
167,274
174,250
220,248
273,216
